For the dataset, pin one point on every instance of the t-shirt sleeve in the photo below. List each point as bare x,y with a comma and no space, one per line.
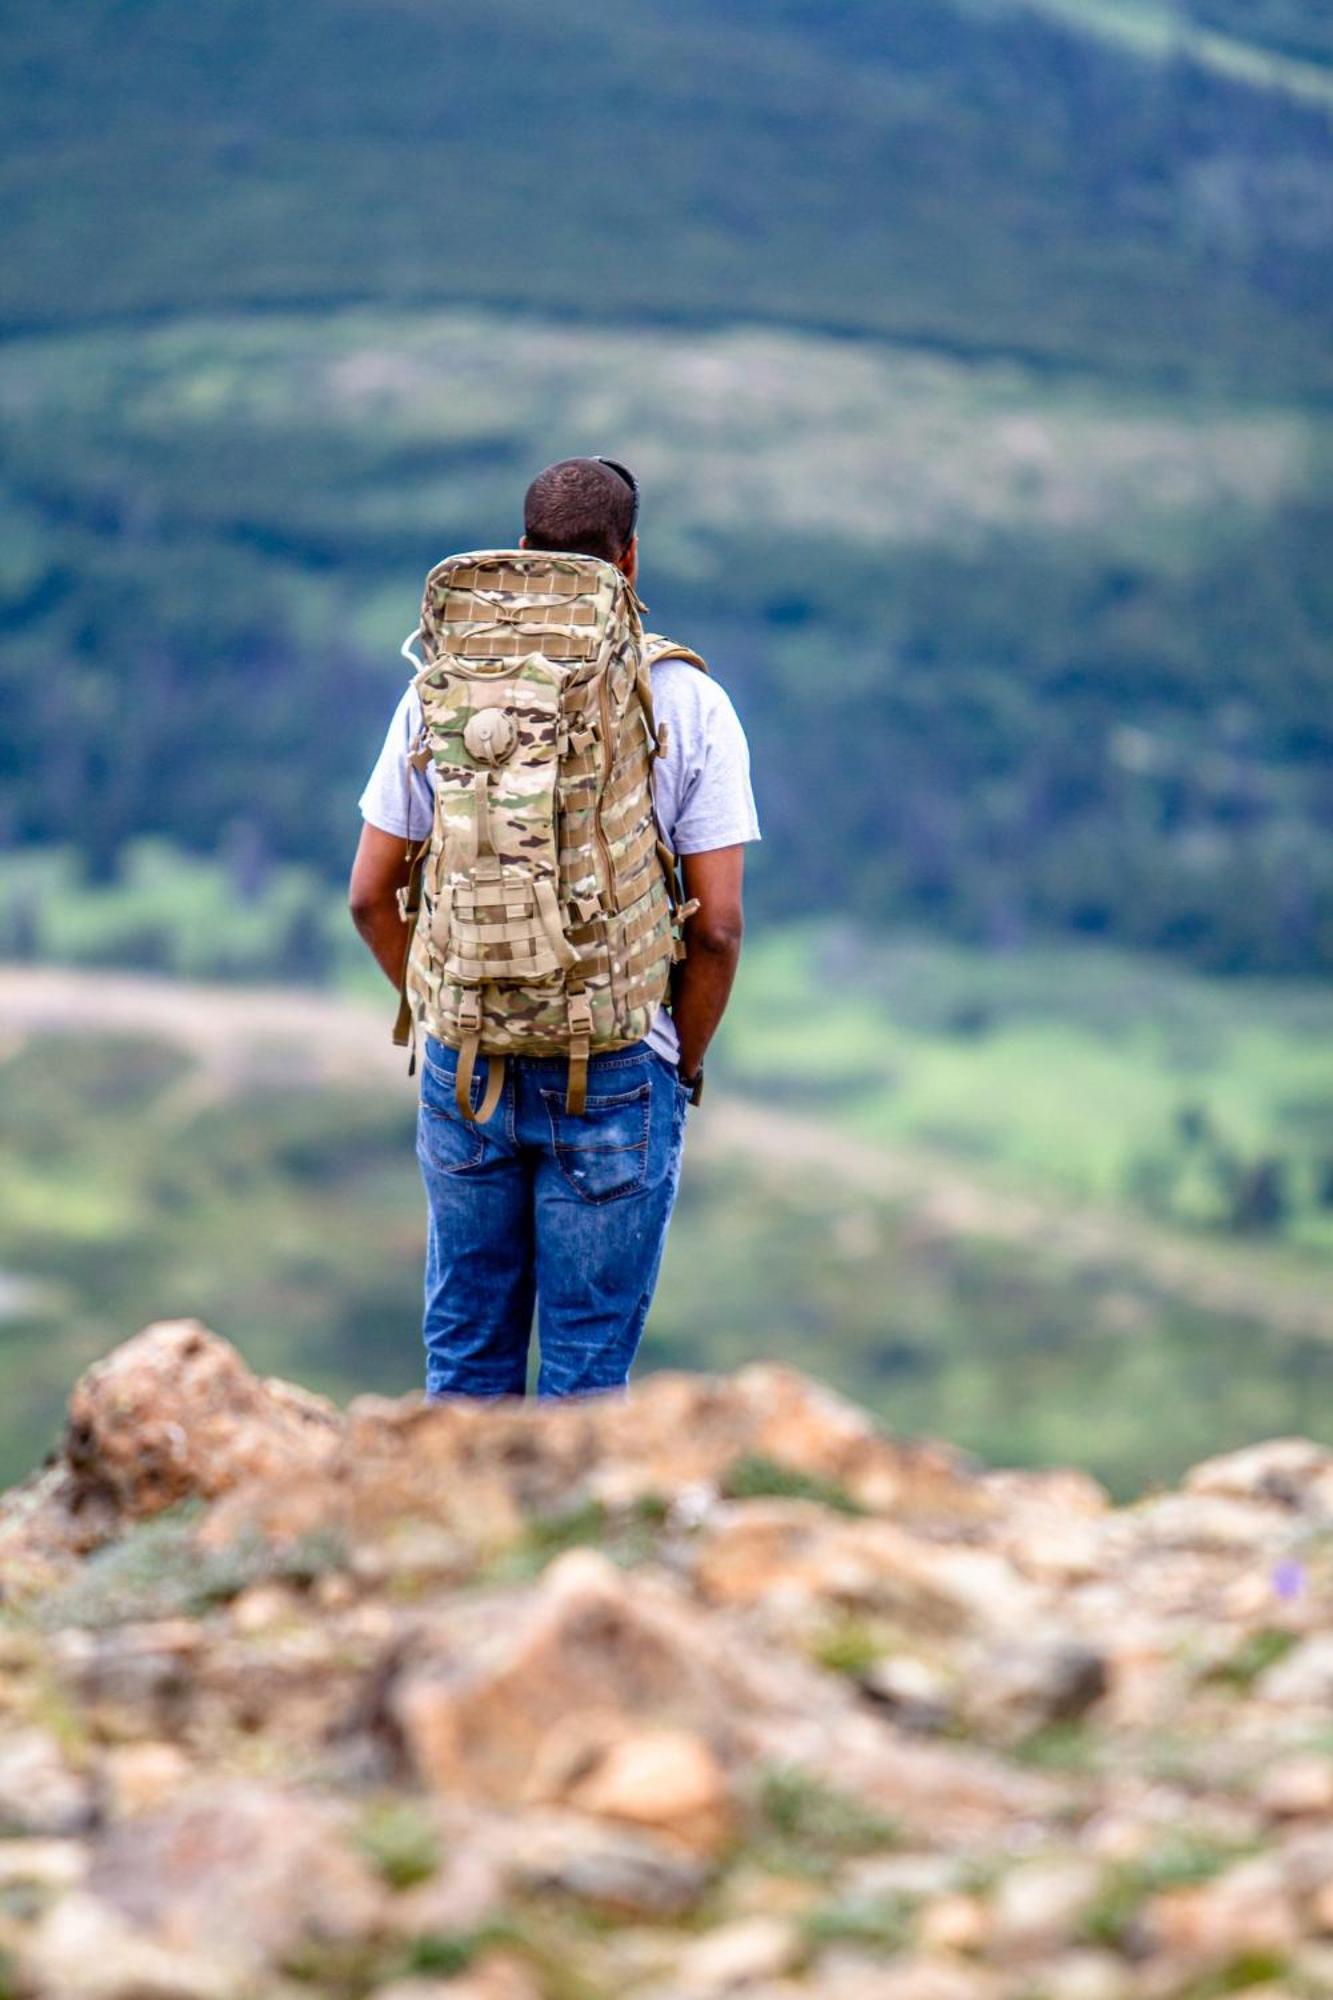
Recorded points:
711,800
398,799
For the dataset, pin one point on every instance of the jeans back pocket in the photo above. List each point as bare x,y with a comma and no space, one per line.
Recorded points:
602,1153
447,1141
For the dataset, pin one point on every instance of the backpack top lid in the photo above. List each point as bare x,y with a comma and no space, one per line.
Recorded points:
489,607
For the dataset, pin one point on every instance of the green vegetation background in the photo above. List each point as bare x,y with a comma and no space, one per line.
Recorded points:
976,358
1049,654
1102,1236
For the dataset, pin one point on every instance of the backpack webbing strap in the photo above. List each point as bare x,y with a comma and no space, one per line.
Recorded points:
548,911
481,816
580,1039
469,1019
656,649
404,1032
409,905
680,909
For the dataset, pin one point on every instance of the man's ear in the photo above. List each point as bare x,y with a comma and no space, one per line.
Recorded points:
523,541
629,562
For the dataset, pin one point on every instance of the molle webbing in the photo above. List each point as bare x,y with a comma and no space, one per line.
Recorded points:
543,924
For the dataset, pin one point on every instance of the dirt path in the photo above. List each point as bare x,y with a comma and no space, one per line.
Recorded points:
242,1036
237,1034
953,1202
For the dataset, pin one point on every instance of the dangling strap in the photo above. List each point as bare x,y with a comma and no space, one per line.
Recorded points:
409,904
548,911
495,1083
580,1038
469,1020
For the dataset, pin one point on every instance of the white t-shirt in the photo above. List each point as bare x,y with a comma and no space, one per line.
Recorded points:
701,787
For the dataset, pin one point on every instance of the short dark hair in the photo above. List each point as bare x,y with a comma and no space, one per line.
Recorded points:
581,506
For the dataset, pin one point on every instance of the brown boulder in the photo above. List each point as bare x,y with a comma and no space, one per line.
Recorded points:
754,1548
244,1869
175,1414
623,1869
83,1949
673,1429
1285,1472
482,1709
666,1780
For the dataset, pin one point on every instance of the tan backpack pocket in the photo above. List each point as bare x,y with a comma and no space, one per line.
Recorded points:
507,931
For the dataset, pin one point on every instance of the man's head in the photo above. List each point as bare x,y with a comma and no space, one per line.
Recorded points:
583,506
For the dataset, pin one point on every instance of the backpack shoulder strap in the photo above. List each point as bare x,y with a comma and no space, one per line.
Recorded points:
652,652
656,649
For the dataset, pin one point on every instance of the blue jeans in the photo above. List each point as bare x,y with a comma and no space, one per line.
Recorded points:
537,1207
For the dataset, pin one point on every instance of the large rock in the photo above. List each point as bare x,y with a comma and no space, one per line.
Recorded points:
1039,1905
733,1957
40,1791
1287,1472
485,1702
175,1413
1304,1678
914,1976
83,1949
497,1697
614,1868
496,1976
240,1870
673,1430
666,1780
1021,1685
744,1738
757,1548
1247,1911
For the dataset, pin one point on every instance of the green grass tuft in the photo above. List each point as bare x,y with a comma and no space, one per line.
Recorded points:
848,1646
878,1925
807,1826
157,1570
754,1477
1183,1861
400,1842
1060,1746
1256,1652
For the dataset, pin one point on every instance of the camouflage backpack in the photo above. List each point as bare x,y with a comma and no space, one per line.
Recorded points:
544,903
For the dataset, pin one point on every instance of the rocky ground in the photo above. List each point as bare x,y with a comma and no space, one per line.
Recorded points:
715,1689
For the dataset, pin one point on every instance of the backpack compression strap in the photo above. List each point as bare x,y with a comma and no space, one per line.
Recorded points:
469,1020
655,650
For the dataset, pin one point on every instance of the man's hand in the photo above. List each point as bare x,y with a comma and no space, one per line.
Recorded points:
703,978
380,869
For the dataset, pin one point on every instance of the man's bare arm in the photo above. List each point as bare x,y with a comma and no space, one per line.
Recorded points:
703,979
379,869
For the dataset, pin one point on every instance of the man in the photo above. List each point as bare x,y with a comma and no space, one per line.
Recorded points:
538,1205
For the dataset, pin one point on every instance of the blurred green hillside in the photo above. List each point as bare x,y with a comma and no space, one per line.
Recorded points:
983,177
1075,1209
975,356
